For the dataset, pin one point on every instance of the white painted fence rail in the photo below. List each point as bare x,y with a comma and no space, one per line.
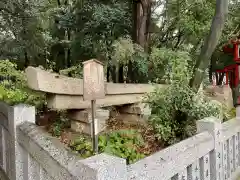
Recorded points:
27,153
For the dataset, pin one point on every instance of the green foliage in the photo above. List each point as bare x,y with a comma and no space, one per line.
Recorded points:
228,113
83,146
125,51
74,71
122,143
98,25
13,88
23,23
57,127
176,108
170,65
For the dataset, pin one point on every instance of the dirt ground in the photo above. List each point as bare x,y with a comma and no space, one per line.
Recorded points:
222,94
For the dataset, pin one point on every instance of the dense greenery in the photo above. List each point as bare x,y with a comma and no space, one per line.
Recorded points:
122,143
59,34
13,87
176,108
173,42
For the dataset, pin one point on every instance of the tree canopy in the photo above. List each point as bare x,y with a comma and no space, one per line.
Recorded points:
59,34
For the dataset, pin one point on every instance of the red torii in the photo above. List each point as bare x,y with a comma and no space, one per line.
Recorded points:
235,51
231,68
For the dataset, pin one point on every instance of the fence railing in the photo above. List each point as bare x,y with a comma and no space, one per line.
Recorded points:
28,153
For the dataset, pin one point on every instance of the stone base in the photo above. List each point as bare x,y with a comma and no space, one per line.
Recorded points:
140,109
85,128
132,119
81,120
132,114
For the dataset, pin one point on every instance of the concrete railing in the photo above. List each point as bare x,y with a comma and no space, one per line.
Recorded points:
213,154
27,152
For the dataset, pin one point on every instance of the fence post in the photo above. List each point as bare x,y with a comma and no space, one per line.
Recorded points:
238,112
101,167
18,156
214,126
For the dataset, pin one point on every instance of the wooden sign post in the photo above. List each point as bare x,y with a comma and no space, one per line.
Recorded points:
93,89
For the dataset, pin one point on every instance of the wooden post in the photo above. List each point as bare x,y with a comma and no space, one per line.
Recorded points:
94,131
93,88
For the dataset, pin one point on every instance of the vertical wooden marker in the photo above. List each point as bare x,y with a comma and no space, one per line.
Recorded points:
93,89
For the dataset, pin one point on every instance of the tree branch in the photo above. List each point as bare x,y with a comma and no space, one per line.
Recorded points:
210,42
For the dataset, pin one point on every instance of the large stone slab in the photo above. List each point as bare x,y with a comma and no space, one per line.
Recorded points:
132,119
81,120
45,81
86,115
139,108
85,128
132,114
61,101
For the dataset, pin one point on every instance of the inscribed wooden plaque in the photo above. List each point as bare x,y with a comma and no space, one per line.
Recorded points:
93,85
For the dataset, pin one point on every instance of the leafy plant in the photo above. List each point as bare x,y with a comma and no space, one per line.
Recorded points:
124,144
121,143
59,124
83,146
228,113
74,71
57,128
176,108
13,87
125,51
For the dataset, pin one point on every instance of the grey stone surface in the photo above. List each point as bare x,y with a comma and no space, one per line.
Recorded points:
170,161
103,167
61,164
55,160
213,154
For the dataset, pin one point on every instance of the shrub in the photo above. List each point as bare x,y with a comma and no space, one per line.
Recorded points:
176,108
228,113
13,87
74,71
121,143
125,51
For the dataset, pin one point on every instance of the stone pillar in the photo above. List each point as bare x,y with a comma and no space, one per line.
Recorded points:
17,155
101,167
238,112
213,126
81,120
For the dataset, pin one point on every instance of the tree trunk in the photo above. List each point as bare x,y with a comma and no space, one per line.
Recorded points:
121,74
140,34
143,18
26,62
135,22
210,43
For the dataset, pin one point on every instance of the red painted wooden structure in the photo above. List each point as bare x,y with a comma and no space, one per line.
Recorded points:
232,72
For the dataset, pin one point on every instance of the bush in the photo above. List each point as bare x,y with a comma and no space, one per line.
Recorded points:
228,113
13,87
124,52
121,143
176,108
74,71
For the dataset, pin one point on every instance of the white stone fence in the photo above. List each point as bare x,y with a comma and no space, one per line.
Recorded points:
28,153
